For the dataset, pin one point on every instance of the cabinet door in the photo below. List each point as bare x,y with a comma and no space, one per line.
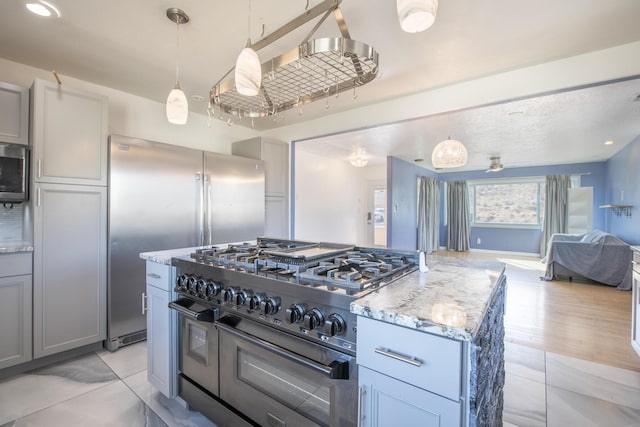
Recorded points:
69,271
161,341
389,402
276,163
69,135
14,120
276,217
15,320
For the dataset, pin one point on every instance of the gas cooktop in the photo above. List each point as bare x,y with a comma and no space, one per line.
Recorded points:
335,266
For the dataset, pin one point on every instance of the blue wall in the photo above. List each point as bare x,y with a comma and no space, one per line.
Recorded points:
402,204
402,178
623,175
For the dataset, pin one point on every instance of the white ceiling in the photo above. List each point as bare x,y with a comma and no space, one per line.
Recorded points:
131,46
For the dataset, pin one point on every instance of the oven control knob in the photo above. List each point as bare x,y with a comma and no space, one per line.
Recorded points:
229,294
193,285
182,283
334,325
255,300
243,296
270,305
296,313
313,319
201,288
213,289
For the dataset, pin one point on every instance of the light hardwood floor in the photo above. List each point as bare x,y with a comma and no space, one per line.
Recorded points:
583,320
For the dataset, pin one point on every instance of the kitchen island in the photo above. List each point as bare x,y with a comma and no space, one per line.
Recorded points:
431,346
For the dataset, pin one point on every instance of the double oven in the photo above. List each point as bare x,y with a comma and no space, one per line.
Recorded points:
239,372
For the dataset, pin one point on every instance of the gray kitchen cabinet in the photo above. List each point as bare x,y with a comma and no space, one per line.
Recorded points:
14,120
162,339
69,274
15,308
69,135
390,402
275,155
408,377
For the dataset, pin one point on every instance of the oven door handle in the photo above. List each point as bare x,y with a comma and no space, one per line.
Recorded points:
336,370
200,316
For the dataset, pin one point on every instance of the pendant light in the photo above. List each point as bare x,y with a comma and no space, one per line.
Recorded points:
248,72
449,154
416,15
177,105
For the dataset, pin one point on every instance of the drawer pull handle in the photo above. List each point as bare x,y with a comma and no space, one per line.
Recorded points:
154,275
406,359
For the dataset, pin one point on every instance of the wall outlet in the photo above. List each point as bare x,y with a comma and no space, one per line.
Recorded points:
478,241
622,195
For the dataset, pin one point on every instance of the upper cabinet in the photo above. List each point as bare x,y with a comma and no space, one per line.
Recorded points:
69,135
14,117
275,155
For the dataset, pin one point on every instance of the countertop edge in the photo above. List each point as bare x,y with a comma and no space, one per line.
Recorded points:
17,247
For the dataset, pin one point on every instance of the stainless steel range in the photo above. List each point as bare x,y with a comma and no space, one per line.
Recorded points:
267,337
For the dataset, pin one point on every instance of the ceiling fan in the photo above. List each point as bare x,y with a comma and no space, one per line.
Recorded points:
495,165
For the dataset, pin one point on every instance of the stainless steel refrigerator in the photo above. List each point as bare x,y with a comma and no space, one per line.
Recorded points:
163,196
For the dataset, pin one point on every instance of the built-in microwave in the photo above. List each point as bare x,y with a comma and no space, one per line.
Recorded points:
14,173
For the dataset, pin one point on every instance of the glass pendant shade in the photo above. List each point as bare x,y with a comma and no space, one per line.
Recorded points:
416,15
177,106
449,154
248,74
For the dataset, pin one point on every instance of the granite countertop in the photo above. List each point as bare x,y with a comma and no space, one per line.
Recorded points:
164,257
451,299
13,247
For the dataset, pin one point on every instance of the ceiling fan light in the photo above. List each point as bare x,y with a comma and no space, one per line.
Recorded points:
248,73
416,15
495,165
177,106
449,154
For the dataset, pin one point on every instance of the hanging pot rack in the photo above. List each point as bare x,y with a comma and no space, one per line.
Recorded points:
316,69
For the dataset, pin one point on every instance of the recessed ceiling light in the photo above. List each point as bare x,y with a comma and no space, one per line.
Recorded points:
43,8
197,98
608,142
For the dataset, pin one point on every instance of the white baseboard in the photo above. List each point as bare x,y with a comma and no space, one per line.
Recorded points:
490,251
494,252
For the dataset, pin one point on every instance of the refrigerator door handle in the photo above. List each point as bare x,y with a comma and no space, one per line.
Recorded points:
200,209
207,214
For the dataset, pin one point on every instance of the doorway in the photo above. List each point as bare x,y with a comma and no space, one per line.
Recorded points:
377,214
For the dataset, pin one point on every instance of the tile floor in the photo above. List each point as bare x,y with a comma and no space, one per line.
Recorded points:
547,389
99,389
111,389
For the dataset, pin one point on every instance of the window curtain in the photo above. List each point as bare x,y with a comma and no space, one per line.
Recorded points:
428,214
459,227
556,211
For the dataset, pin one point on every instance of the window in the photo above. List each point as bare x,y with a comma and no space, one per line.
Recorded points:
507,202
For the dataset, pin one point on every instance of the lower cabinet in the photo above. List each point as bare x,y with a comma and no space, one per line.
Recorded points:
15,309
162,345
389,402
69,267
